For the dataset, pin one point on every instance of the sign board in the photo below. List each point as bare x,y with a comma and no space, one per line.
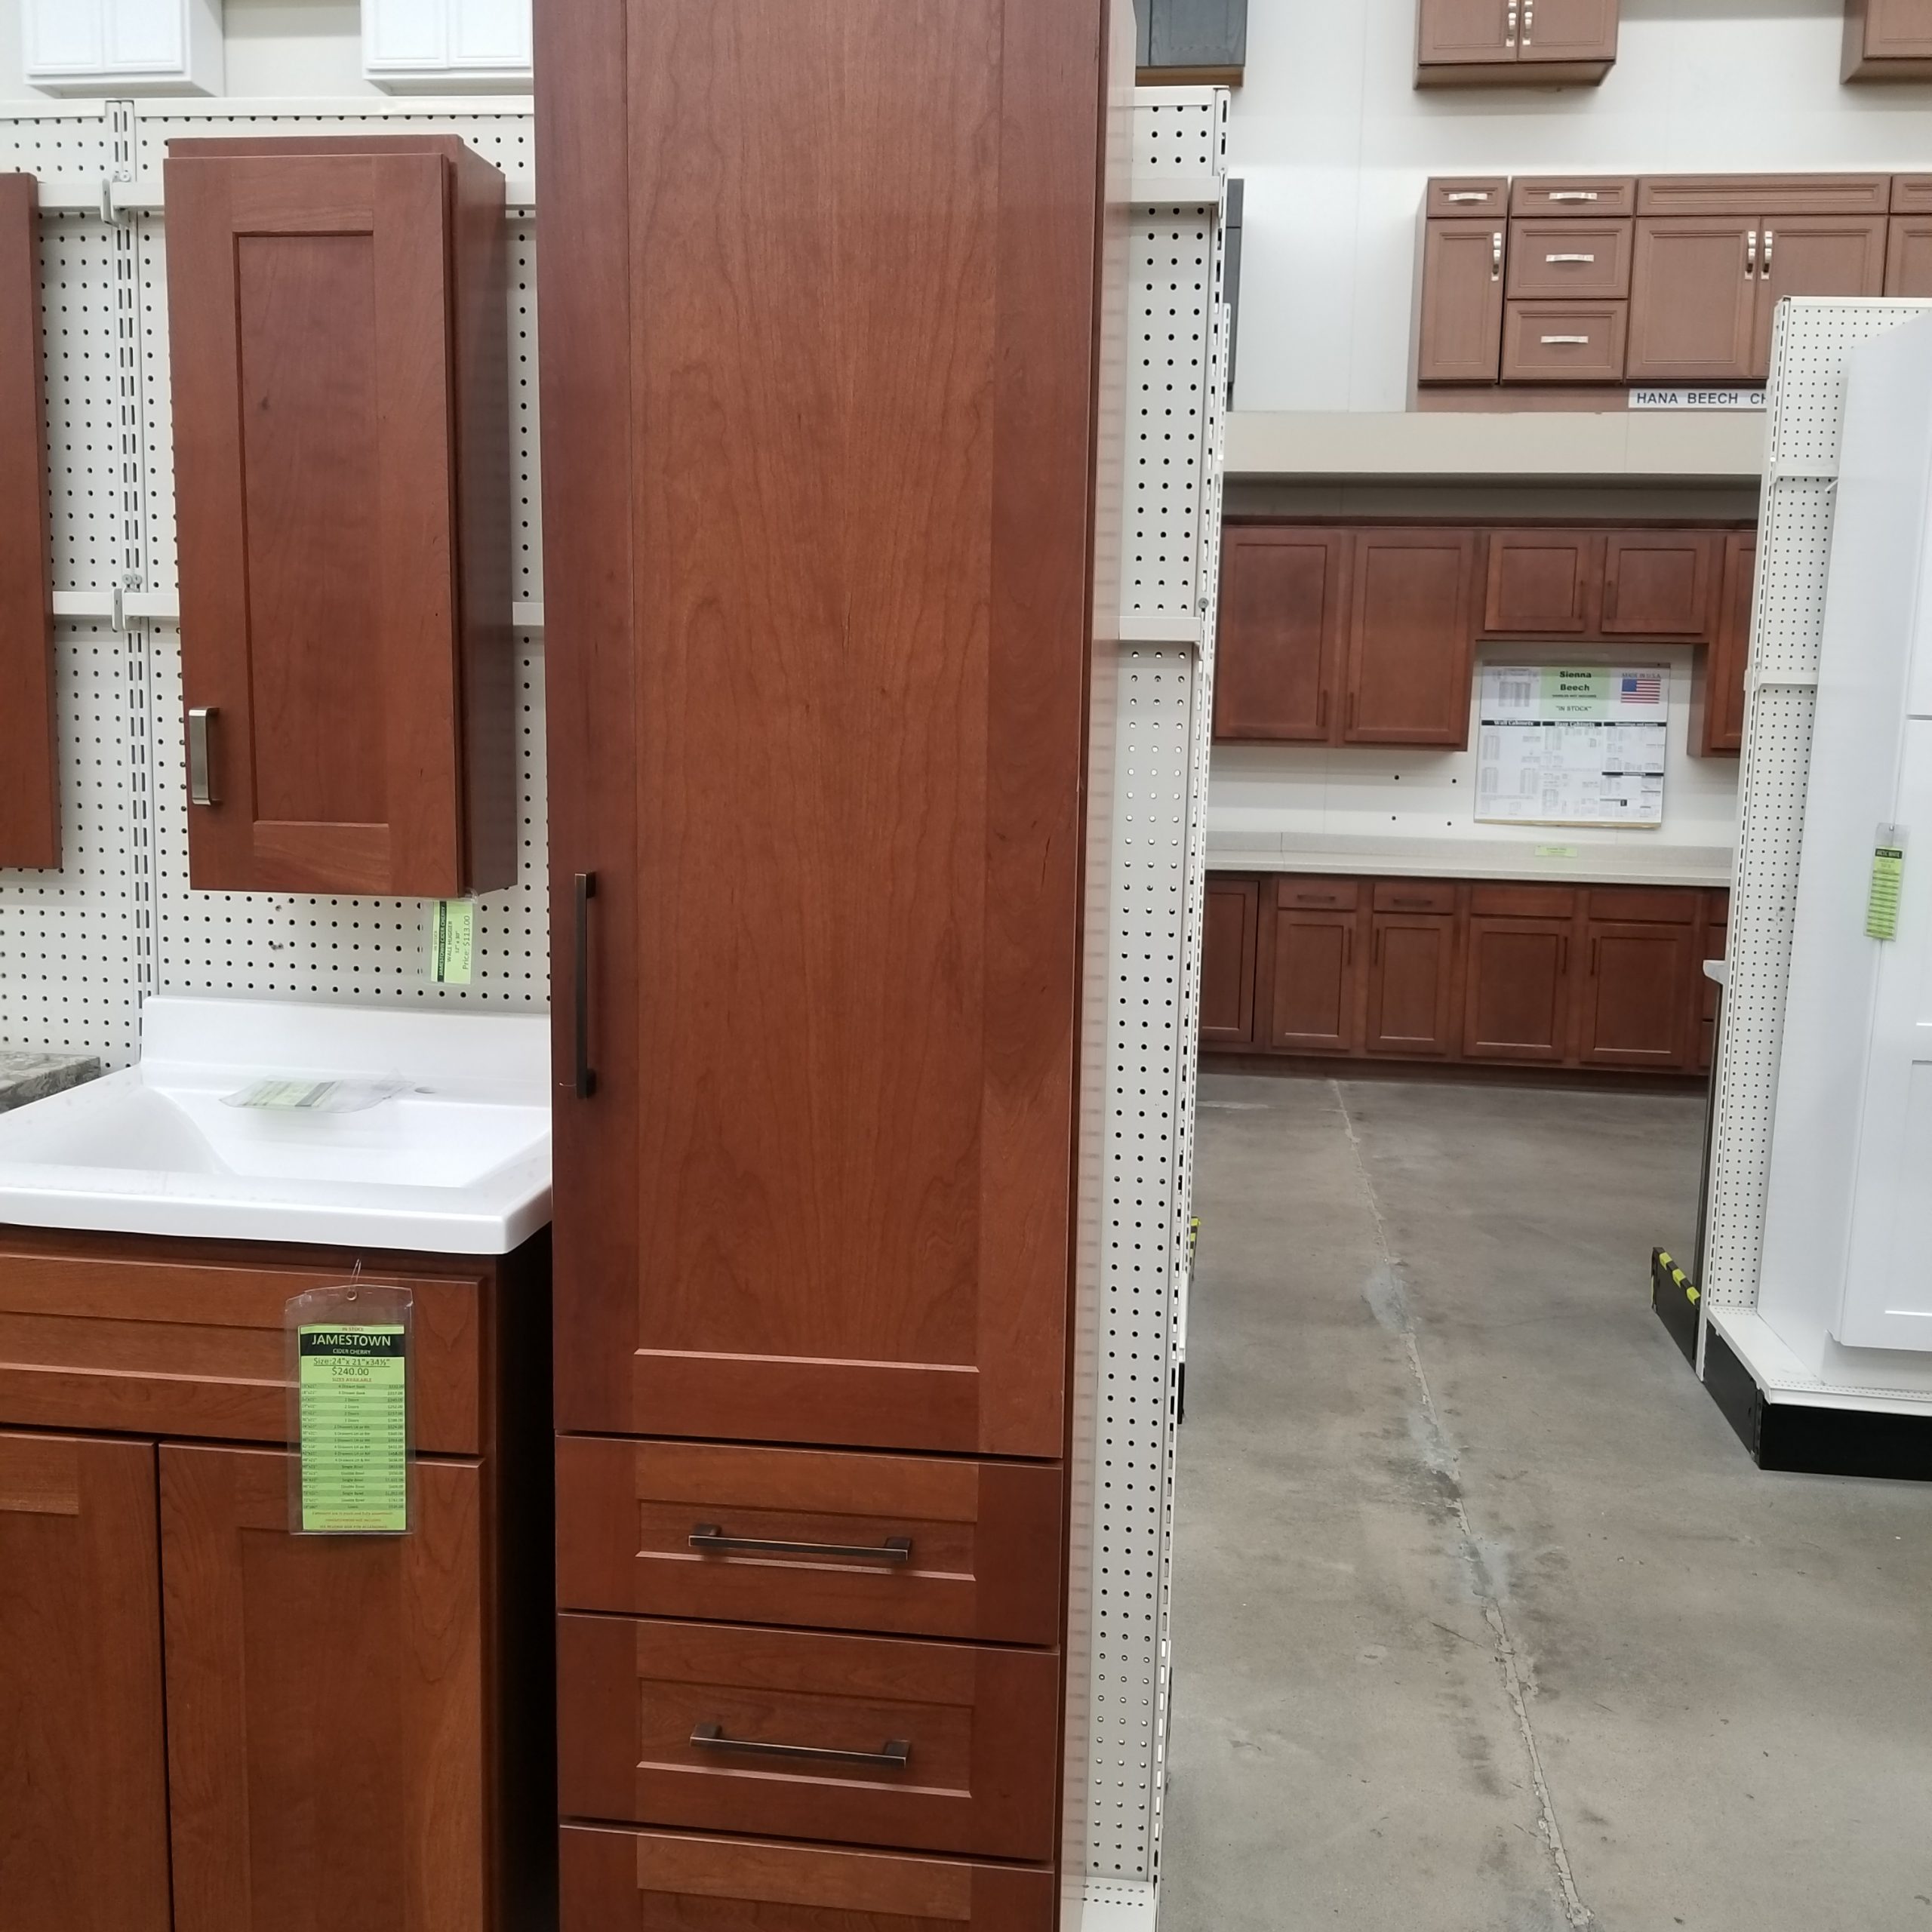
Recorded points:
1572,744
1719,399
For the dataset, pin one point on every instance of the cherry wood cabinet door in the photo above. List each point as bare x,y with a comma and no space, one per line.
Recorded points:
859,1740
1814,255
1542,583
1451,32
1518,1003
1566,30
1410,637
1909,257
1636,998
327,1731
1412,985
1229,927
83,1763
819,666
29,750
655,1881
1659,582
1460,329
1312,1002
1716,726
340,405
1693,294
1278,660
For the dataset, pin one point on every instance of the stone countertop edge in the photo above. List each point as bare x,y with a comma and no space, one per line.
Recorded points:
1508,868
25,1078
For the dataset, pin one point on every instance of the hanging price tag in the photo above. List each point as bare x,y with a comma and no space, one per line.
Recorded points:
452,942
1881,913
352,1423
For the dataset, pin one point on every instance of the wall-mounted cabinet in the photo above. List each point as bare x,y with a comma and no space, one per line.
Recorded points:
442,46
29,770
1190,42
1528,43
122,47
338,312
1887,40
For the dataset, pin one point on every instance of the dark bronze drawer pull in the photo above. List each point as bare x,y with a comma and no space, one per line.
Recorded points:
893,1757
894,1549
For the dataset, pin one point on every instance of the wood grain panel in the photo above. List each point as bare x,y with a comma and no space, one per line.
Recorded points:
1542,583
1229,929
658,1881
1284,592
1763,194
981,1775
1459,321
847,723
1518,1003
1412,983
29,762
1635,1005
83,1769
1411,626
986,1538
328,1737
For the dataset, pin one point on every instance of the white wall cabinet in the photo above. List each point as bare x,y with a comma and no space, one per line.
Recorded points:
122,47
427,46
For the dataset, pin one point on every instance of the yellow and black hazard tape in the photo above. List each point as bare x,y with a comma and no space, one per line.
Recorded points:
1678,1276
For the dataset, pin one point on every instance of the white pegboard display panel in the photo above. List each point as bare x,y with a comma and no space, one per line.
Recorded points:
1181,133
82,339
1807,406
502,131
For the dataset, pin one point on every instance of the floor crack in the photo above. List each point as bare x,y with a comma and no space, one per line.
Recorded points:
1508,1661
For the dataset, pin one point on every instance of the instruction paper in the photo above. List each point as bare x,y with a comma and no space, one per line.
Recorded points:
1572,744
352,1389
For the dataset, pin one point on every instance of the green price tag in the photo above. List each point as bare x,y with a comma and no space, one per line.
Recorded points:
1556,852
353,1394
1881,911
452,942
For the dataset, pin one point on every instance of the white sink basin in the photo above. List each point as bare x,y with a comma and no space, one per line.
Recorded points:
458,1162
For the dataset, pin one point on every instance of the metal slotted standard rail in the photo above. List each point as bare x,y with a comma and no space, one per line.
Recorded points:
80,948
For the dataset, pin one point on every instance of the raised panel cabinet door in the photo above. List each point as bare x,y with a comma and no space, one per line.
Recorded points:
1636,1001
1551,32
1815,255
1518,1000
1459,325
1693,291
1659,582
1449,33
326,1725
818,667
1887,40
1411,636
29,746
1284,596
1541,583
1908,256
83,1757
343,522
1229,926
1312,991
1412,985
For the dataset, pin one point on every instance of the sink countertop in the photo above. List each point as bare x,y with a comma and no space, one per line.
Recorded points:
26,1078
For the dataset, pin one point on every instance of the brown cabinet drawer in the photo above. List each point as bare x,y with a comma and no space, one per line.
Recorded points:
1317,894
1564,342
1468,195
1570,261
168,1348
616,1881
1663,905
1764,194
1574,195
1404,895
1912,194
950,1747
1523,902
983,1539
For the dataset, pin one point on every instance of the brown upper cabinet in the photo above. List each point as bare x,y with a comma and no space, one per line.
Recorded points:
1718,692
1609,584
1542,583
1410,637
1887,40
1285,594
338,308
30,769
1659,583
1469,43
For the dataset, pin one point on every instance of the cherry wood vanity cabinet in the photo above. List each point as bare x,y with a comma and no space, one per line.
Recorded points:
338,316
821,614
30,764
1887,40
213,1725
1530,43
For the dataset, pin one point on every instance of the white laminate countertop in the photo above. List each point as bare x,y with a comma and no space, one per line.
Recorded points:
1599,862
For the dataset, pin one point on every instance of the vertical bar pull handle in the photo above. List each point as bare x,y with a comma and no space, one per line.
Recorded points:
1495,256
586,1077
1750,255
200,765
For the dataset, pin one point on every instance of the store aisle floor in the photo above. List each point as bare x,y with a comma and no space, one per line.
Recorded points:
1485,1622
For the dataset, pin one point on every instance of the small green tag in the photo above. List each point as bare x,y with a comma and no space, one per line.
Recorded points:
452,942
353,1396
1881,911
1556,851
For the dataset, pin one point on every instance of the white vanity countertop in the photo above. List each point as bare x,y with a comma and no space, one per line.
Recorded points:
1600,862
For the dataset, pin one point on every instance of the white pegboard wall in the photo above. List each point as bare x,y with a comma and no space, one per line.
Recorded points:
1179,132
82,346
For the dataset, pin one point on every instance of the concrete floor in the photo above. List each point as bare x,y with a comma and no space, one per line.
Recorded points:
1485,1622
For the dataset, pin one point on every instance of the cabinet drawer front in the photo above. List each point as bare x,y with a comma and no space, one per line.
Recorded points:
1574,195
1912,194
1468,195
1318,894
1764,194
181,1348
1564,342
1523,902
1402,895
935,1747
983,1562
1660,905
654,1881
1570,260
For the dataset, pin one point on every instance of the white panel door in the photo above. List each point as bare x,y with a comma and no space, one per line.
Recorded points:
406,33
148,35
490,33
66,36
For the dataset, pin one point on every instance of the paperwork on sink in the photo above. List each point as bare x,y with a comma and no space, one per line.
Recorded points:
315,1097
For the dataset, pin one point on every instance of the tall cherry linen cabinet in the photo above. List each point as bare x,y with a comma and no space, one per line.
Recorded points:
825,290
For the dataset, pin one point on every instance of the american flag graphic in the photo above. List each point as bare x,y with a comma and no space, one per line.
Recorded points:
1642,686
